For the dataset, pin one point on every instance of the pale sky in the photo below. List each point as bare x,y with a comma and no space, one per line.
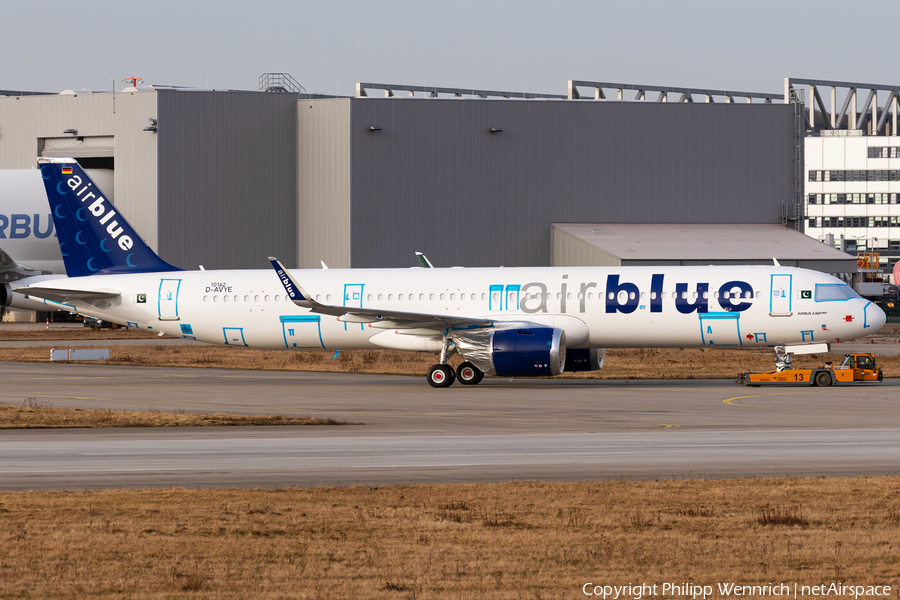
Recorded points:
527,45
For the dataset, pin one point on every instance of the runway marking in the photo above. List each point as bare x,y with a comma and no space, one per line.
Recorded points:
730,402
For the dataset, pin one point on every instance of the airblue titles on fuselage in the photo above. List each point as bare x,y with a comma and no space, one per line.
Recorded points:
625,297
21,226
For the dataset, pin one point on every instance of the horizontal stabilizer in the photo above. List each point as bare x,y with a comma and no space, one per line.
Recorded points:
67,295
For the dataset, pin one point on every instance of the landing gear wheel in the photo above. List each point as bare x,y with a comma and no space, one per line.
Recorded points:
823,379
441,376
469,374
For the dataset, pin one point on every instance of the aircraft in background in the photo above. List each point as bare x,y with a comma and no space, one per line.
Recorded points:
510,322
28,244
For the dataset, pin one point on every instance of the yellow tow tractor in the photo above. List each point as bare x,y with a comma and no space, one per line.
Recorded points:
855,368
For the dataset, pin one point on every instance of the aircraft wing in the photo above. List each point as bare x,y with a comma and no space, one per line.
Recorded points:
65,295
380,318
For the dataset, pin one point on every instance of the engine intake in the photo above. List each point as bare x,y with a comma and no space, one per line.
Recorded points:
528,352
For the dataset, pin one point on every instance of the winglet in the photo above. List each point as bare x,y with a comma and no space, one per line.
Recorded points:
423,261
775,261
296,293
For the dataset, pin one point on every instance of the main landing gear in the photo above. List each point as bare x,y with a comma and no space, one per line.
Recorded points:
442,375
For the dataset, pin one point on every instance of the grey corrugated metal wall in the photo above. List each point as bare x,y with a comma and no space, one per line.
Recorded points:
434,178
227,178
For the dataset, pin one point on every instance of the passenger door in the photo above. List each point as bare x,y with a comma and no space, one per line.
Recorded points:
780,296
168,299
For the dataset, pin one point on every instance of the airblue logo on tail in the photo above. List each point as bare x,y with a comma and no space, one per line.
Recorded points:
94,238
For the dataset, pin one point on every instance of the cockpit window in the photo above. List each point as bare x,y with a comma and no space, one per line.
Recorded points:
831,292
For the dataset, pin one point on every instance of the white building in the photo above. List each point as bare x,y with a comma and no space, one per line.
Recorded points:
852,168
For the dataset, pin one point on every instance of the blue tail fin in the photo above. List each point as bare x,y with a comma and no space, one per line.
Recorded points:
94,238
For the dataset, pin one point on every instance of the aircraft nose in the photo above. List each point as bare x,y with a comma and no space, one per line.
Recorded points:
875,316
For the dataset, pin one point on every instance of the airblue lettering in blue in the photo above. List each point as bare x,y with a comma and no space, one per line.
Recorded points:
628,291
735,290
700,303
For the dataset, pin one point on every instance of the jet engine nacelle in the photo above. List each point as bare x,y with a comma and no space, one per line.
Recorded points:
585,359
10,299
528,352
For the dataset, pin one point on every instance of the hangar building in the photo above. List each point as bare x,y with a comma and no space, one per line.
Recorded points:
226,178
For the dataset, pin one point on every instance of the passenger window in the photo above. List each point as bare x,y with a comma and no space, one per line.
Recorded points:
216,298
380,297
390,297
421,297
631,295
611,296
206,298
237,298
653,295
705,295
327,298
255,299
684,295
369,297
462,296
443,296
484,296
224,298
247,298
623,297
431,296
267,298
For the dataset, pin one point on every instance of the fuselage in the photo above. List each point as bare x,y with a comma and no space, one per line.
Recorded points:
597,307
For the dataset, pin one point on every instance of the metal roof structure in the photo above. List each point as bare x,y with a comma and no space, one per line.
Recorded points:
684,94
635,244
868,117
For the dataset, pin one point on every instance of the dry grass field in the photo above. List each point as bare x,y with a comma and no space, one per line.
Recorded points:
41,414
620,364
77,333
485,541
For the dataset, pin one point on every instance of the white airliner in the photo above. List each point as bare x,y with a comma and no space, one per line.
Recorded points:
502,321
